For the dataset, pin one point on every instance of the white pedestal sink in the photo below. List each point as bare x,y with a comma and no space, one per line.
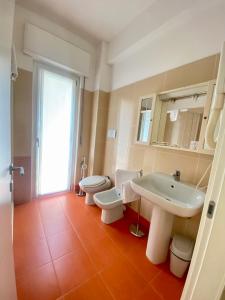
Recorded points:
169,198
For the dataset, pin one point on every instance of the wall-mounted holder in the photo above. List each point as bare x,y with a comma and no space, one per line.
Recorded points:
83,173
135,228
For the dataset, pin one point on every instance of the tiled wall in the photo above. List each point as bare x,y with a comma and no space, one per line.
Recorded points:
122,152
98,132
86,129
22,134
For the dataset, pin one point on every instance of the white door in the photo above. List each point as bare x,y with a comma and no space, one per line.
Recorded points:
7,276
56,129
206,277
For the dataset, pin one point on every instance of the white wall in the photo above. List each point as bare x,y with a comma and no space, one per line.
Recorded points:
191,37
160,14
23,15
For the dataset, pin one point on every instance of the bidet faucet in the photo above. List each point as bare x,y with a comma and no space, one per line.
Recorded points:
176,175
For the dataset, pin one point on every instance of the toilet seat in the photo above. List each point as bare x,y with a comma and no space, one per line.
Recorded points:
93,181
93,184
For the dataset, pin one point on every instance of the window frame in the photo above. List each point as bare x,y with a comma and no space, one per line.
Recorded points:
153,98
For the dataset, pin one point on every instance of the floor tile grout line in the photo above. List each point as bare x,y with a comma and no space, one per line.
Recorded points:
113,241
100,271
82,243
152,286
101,227
79,285
154,277
52,261
108,235
43,238
157,292
106,286
139,272
80,240
131,262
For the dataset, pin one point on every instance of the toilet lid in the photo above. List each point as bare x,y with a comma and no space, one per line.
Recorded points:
93,181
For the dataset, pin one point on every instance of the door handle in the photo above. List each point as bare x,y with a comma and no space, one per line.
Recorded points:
12,169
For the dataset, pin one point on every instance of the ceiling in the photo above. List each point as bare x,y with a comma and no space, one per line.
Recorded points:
100,19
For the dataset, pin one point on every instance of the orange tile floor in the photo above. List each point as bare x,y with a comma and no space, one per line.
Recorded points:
63,251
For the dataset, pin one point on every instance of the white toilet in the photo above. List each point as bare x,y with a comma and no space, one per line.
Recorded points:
93,184
111,201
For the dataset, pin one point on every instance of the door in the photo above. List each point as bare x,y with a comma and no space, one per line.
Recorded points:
7,276
206,277
56,129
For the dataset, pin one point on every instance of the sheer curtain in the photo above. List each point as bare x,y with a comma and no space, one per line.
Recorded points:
57,96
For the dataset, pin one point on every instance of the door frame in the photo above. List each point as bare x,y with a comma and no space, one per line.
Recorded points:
206,277
36,120
7,268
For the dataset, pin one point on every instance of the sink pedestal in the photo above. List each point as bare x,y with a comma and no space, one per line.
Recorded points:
159,235
169,198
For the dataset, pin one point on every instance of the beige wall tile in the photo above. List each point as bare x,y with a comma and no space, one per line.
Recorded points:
216,65
86,128
98,132
203,163
22,134
136,157
149,160
196,72
22,114
168,162
110,162
192,225
150,85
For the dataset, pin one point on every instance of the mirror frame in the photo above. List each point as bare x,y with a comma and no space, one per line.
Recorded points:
153,97
207,87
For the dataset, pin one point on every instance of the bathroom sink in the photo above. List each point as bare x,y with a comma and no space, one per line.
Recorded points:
178,198
169,197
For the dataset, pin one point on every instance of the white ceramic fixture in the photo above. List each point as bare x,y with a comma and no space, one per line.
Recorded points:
181,250
169,198
94,184
111,201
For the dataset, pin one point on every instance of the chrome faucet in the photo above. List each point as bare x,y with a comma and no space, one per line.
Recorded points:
176,175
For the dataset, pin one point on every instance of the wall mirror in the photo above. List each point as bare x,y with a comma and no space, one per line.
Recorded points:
183,116
145,115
